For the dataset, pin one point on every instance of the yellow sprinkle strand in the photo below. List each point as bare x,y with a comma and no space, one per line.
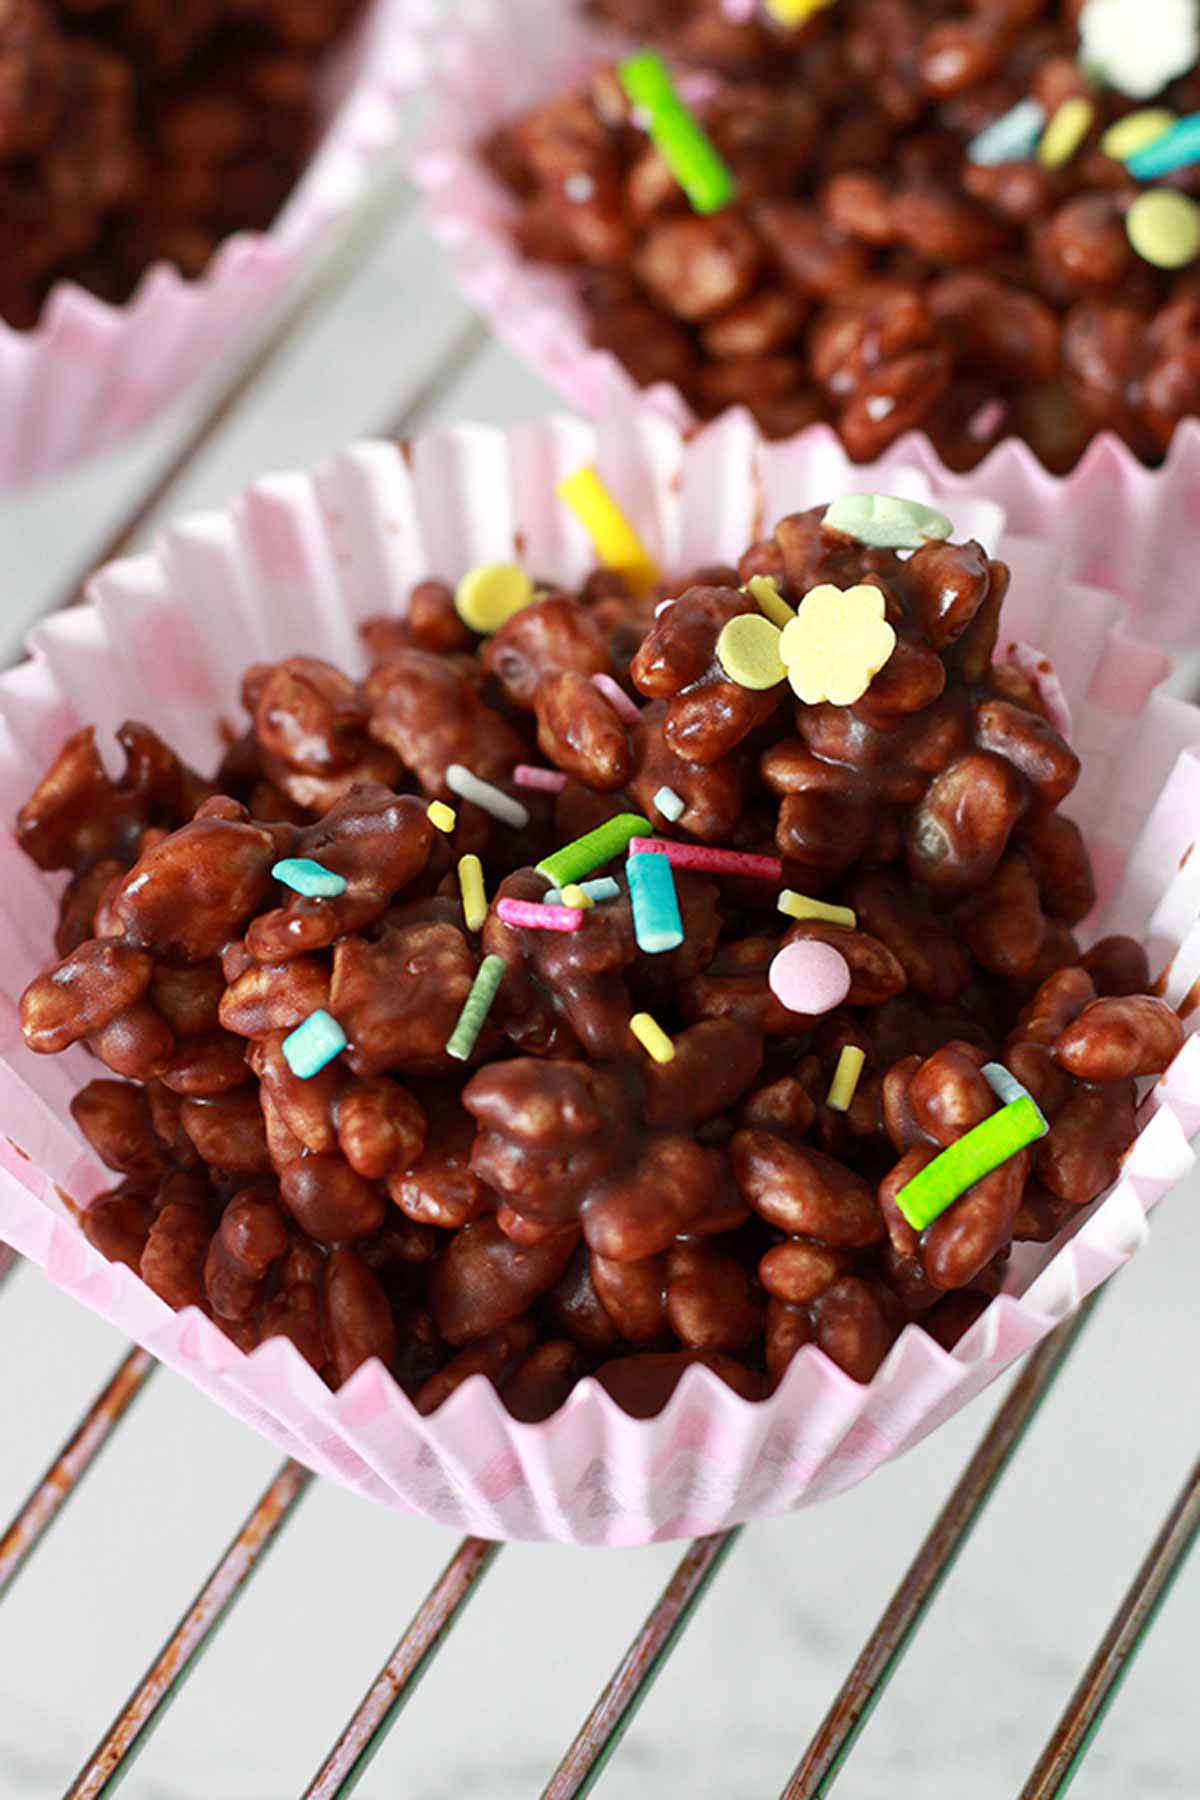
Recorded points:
1065,132
574,895
763,590
487,597
844,1085
474,894
795,12
799,906
442,816
651,1036
616,542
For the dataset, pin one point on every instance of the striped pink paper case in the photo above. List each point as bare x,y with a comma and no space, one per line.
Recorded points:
502,57
297,563
90,372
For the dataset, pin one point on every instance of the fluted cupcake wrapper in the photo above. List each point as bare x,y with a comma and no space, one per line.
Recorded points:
504,56
91,372
295,565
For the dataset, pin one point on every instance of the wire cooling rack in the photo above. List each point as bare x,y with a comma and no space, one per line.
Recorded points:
456,363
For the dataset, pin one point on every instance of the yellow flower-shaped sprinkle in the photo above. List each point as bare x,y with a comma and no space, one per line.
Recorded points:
837,643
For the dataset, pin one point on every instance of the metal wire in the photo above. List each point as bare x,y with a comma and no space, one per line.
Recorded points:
72,1463
400,1676
130,1730
1063,1756
640,1667
881,1656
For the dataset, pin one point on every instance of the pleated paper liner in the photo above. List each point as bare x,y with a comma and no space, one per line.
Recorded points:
295,565
90,372
504,56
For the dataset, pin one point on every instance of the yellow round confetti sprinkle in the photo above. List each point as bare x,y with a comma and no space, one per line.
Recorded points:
763,590
1065,132
1136,131
748,651
837,643
651,1036
574,895
489,595
442,816
1164,228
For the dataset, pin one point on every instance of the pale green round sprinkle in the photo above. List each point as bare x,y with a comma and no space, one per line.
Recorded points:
477,1006
1136,131
886,522
943,1181
1164,228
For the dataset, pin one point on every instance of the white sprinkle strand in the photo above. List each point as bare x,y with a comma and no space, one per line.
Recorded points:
668,803
487,798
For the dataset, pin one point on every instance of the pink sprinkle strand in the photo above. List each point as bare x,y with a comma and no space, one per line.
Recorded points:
550,781
717,862
617,698
539,918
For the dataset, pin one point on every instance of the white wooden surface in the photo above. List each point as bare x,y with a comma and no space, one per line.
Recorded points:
988,1675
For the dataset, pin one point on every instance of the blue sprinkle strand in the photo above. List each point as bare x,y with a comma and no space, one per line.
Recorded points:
603,888
656,921
1175,149
304,876
312,1045
1011,138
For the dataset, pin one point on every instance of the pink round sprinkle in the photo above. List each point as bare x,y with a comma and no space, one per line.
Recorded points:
617,698
550,781
810,976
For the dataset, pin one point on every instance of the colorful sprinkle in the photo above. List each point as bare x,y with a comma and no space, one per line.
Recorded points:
657,924
987,419
474,894
488,596
885,522
799,906
486,797
579,858
795,12
763,590
748,652
1138,46
574,895
614,539
943,1181
617,698
1004,1084
668,803
1164,228
1012,137
312,879
844,1085
604,888
651,1036
441,817
547,781
1136,132
715,862
676,133
809,977
476,1007
531,917
1172,149
1066,131
837,644
308,1049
